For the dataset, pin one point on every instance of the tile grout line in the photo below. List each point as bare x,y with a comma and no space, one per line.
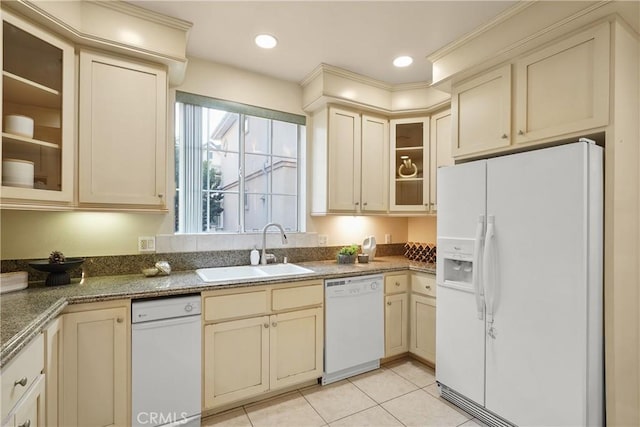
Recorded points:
312,407
244,409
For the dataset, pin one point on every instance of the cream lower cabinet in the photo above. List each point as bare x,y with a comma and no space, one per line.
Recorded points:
53,370
22,382
396,314
422,317
261,340
122,127
96,370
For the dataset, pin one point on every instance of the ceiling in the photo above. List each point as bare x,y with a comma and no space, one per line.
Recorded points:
360,36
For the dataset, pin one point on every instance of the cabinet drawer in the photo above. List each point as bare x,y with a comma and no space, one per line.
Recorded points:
25,368
394,283
235,306
423,284
301,296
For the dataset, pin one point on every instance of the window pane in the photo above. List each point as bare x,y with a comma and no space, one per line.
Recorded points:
222,130
285,139
257,169
285,211
222,172
285,176
256,208
224,214
256,135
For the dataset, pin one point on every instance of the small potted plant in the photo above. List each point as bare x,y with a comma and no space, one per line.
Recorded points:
347,255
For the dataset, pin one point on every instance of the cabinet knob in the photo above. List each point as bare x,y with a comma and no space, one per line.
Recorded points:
357,203
266,325
25,424
119,320
388,302
274,324
520,132
504,136
397,283
364,204
160,195
428,287
22,382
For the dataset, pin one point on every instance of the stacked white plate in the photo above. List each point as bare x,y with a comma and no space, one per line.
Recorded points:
18,125
17,173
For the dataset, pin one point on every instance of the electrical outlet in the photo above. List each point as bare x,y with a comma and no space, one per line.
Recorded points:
323,240
146,244
387,238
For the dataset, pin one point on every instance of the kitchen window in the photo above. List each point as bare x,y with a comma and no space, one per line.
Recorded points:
237,167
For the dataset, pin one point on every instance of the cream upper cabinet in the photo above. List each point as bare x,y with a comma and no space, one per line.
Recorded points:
440,150
410,166
481,113
96,357
122,132
262,340
374,168
422,316
349,162
551,99
38,83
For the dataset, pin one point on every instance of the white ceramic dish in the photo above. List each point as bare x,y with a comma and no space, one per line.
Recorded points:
17,173
18,125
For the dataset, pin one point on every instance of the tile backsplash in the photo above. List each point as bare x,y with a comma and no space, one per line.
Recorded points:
420,252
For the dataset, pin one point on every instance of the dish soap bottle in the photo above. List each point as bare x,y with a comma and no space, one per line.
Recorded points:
255,256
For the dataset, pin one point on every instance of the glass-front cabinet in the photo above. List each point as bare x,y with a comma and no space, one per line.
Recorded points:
410,170
38,115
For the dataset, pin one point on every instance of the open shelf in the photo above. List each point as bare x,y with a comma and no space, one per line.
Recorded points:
409,149
19,90
23,139
409,179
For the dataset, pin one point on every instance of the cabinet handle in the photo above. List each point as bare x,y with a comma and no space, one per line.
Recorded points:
274,324
22,382
266,325
520,132
504,136
25,424
388,302
119,320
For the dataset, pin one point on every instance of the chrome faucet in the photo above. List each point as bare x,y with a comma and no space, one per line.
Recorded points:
265,255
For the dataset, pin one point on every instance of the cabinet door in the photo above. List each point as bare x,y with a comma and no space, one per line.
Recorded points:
552,99
122,121
344,160
440,151
296,347
38,81
375,164
481,113
396,320
95,370
409,163
422,324
30,412
236,360
53,370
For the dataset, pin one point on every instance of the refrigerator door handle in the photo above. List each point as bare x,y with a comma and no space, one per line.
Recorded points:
477,248
487,268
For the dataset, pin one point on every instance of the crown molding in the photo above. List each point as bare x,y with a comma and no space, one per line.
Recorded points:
148,15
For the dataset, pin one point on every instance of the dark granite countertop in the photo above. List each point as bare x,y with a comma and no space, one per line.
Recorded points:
25,313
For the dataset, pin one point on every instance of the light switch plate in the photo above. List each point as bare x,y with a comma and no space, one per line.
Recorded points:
323,240
146,244
387,238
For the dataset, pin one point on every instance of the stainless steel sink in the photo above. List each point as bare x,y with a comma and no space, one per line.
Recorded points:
244,272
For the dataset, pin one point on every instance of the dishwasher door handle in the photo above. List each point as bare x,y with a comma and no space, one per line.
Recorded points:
153,324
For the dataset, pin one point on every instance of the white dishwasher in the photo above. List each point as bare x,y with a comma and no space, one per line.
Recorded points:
354,326
165,362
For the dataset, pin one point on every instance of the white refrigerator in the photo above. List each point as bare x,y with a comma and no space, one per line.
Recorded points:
519,333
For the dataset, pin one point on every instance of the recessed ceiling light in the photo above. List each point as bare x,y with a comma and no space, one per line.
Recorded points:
266,41
403,61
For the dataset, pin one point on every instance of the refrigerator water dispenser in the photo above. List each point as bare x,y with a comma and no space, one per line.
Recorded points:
456,266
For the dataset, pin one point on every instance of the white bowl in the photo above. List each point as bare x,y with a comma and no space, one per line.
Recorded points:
18,125
17,173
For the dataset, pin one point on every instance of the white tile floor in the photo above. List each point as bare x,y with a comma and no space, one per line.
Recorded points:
401,393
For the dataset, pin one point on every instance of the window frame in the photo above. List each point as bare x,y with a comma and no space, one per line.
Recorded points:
245,112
